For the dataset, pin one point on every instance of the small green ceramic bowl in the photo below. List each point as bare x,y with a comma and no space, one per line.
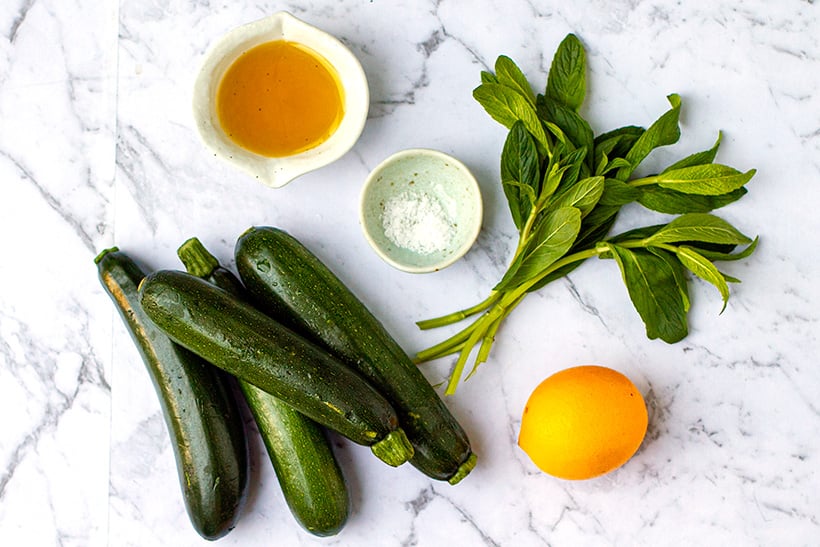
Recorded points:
421,210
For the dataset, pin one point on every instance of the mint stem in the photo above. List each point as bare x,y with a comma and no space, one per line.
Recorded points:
455,317
485,327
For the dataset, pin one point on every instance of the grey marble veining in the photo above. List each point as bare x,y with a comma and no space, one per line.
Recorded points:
57,106
97,148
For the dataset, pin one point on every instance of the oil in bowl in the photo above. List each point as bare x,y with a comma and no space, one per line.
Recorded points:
278,98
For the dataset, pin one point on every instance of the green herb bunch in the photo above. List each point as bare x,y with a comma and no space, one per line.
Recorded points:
565,187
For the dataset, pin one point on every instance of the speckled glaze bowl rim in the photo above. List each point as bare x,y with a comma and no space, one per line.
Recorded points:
276,172
466,175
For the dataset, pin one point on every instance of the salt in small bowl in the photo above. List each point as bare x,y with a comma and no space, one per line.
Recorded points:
421,210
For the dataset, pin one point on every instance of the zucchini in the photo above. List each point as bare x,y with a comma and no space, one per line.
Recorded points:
203,418
312,481
290,283
245,342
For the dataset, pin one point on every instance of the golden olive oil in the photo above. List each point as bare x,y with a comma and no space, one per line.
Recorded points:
279,98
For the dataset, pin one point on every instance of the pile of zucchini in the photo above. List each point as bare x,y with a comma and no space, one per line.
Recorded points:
288,339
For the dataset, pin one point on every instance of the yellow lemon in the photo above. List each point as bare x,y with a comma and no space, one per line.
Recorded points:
583,422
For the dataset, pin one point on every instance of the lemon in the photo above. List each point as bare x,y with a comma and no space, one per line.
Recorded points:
583,422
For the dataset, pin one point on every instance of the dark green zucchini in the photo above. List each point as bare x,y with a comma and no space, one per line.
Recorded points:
312,481
202,416
245,342
290,283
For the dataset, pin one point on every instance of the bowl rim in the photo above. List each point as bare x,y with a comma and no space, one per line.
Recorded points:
466,175
276,172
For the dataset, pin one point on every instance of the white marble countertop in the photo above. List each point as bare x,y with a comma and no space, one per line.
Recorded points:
97,148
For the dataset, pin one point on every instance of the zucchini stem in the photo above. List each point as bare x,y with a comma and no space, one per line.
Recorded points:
99,257
196,258
464,469
394,449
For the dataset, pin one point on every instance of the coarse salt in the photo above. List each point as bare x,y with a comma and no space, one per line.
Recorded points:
417,222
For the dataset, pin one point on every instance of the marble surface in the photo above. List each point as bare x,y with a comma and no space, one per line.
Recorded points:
97,148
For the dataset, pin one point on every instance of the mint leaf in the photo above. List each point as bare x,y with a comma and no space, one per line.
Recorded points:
519,170
653,282
550,240
506,106
583,195
566,81
596,226
681,282
552,179
698,158
729,278
704,269
574,163
523,194
618,142
664,200
488,77
605,166
507,73
636,234
617,193
663,132
713,254
701,227
712,179
573,126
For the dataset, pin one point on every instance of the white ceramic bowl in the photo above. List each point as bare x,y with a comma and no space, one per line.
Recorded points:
276,172
421,210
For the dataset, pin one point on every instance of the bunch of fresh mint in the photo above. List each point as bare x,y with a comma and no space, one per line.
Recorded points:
565,187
